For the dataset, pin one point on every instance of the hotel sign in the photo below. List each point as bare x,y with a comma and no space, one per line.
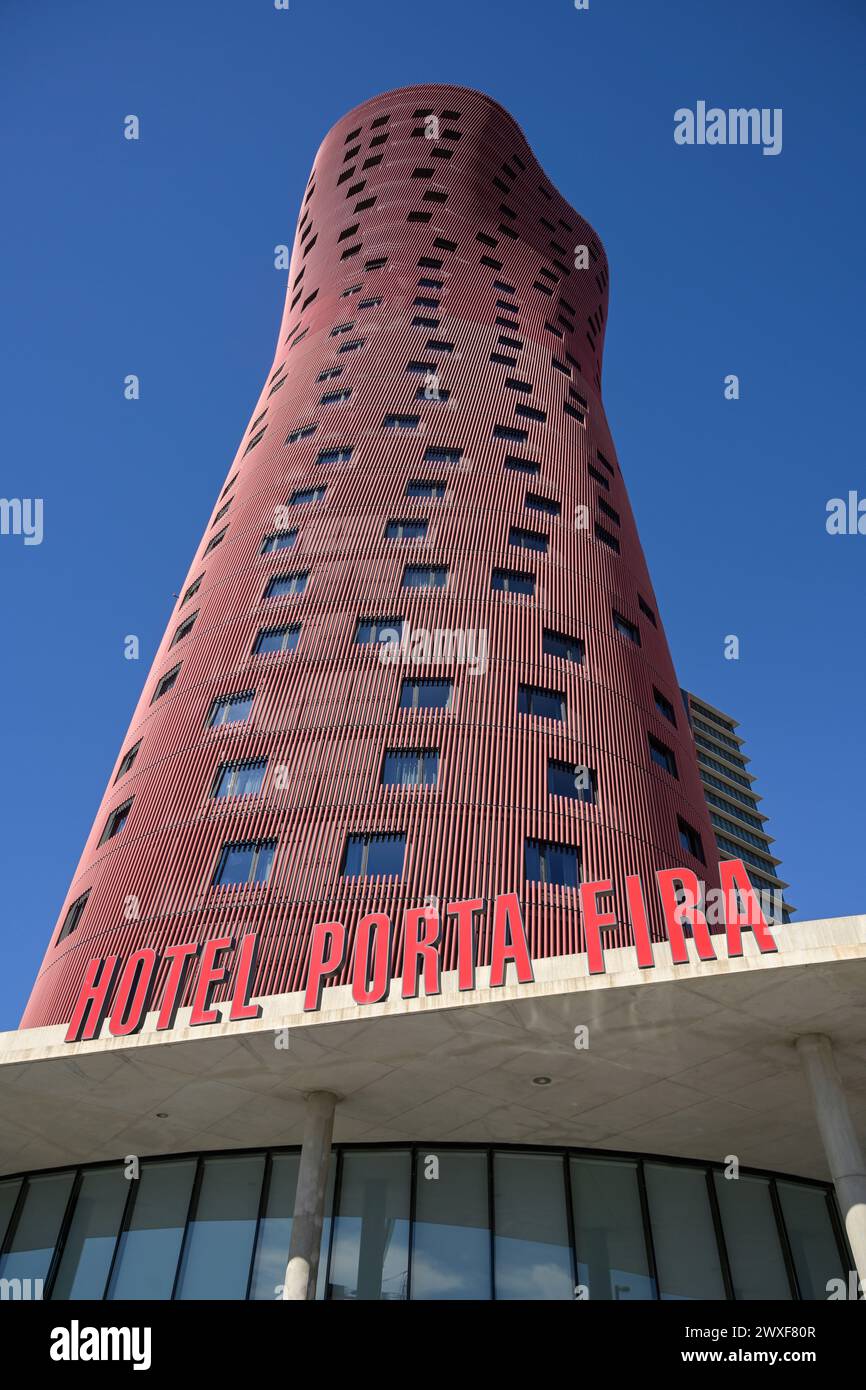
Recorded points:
121,991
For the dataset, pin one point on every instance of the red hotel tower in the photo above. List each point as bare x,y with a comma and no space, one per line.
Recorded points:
417,655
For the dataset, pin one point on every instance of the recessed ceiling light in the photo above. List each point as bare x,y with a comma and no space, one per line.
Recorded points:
541,1080
162,1114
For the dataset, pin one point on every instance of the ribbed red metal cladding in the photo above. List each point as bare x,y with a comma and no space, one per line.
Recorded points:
328,711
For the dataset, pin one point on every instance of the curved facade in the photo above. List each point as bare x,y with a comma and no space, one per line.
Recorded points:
425,1222
417,657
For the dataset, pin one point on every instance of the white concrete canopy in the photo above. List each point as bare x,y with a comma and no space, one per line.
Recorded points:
694,1060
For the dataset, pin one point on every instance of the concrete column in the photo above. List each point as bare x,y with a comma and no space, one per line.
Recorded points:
303,1266
841,1145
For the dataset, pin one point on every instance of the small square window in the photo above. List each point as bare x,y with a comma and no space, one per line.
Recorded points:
374,630
403,768
116,821
690,840
419,577
277,639
512,582
545,704
286,584
662,755
231,709
425,694
552,863
240,779
249,862
73,917
280,540
166,683
557,644
397,530
571,780
370,855
127,761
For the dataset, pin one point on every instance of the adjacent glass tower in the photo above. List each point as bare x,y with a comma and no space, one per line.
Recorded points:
417,656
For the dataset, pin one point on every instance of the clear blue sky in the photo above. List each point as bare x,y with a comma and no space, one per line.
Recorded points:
156,258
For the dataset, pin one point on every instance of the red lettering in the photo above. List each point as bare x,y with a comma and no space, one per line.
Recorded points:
421,947
465,912
676,912
178,956
210,974
735,884
92,1002
593,921
509,942
243,978
639,925
327,950
372,987
137,982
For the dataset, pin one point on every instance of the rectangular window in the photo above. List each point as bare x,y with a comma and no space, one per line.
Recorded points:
231,709
370,855
166,683
329,374
240,779
405,530
425,694
192,590
329,456
370,303
519,465
217,540
512,582
184,630
277,639
571,780
353,346
378,630
255,439
536,503
280,540
545,704
527,540
506,432
127,761
606,538
73,916
306,495
404,768
341,328
420,487
401,422
116,821
646,610
608,510
442,455
625,628
439,345
557,644
336,397
551,863
690,840
222,511
528,412
664,707
417,577
302,433
662,755
599,477
283,584
247,862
